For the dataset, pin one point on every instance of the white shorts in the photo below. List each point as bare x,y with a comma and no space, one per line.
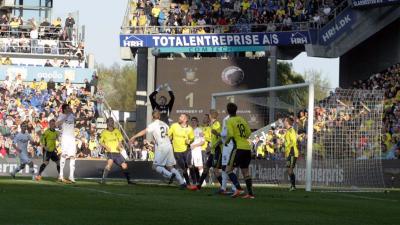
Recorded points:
164,156
197,157
68,146
226,153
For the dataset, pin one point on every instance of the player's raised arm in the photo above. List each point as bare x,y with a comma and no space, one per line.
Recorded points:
140,134
172,98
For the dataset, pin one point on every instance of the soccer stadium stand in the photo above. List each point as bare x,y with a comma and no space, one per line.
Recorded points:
230,16
270,144
40,101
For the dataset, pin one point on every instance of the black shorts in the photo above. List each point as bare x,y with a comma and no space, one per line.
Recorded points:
240,158
50,155
215,160
291,161
117,158
183,159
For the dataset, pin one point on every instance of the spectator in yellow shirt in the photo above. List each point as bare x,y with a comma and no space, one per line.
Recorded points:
155,12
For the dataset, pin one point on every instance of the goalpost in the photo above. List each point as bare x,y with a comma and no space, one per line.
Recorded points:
345,151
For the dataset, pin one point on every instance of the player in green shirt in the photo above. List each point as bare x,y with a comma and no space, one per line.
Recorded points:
238,130
291,150
48,142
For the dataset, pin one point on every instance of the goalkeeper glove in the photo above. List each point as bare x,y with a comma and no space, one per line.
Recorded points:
167,87
159,88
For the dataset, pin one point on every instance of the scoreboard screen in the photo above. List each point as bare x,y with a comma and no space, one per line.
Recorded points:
193,81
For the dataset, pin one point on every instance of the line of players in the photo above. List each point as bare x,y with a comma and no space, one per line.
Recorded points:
110,139
197,149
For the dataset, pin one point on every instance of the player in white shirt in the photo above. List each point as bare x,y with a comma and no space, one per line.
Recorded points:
20,143
164,160
68,147
226,152
196,148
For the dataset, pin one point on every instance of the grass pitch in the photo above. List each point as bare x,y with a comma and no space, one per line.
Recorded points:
26,202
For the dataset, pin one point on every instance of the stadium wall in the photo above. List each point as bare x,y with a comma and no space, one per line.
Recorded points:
262,171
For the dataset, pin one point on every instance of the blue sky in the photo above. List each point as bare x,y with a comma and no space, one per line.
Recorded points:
103,20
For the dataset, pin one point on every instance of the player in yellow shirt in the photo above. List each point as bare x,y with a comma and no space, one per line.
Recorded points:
239,131
291,150
48,141
111,140
214,156
182,135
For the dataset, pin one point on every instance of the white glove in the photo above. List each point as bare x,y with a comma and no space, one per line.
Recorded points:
159,87
166,85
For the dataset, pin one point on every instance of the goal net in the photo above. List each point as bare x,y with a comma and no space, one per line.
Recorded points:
345,126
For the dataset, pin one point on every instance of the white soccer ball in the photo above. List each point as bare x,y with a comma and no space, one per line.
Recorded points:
232,75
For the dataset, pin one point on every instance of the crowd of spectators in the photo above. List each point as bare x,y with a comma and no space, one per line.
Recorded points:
347,115
229,16
38,102
20,36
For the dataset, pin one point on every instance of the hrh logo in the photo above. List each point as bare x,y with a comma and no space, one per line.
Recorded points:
190,76
133,41
298,39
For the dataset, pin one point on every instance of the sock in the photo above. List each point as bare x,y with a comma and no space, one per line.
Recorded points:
71,168
58,167
219,178
193,175
234,179
62,165
21,167
186,176
105,173
224,180
202,177
197,172
31,168
161,170
178,176
127,175
293,180
42,167
249,185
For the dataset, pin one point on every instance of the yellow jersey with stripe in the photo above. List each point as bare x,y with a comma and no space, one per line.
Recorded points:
215,139
207,137
238,130
49,139
290,140
181,137
111,139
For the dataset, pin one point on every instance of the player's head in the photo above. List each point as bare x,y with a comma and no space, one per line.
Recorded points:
52,124
65,108
24,127
110,123
206,119
162,100
231,108
194,122
288,122
156,115
213,114
183,118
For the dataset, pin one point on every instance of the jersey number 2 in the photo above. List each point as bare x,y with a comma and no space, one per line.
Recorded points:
163,132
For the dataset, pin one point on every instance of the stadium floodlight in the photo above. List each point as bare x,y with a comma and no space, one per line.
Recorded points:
345,151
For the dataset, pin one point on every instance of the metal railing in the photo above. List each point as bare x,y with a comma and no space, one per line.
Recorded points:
44,32
218,29
37,47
